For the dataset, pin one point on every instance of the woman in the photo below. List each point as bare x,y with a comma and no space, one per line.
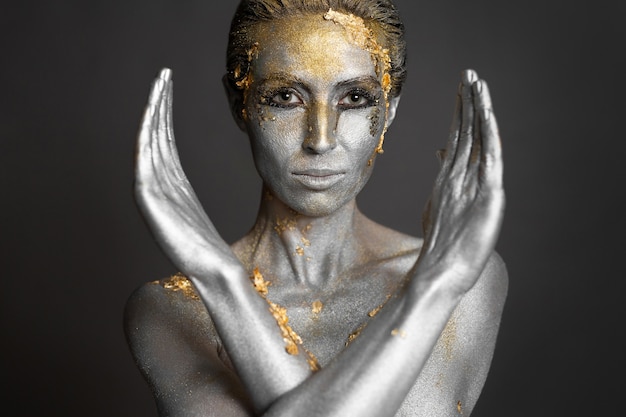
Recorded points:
319,311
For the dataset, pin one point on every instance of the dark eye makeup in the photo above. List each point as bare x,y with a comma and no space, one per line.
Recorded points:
281,97
286,98
357,98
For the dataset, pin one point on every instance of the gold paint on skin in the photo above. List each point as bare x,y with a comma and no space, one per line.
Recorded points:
358,34
290,337
352,336
365,38
439,382
377,309
399,332
375,119
284,224
317,306
179,282
372,313
245,82
448,338
260,285
299,251
459,407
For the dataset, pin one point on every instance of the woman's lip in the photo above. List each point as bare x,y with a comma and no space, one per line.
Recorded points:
318,172
318,179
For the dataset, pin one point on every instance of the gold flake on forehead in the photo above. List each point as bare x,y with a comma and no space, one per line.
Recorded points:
362,36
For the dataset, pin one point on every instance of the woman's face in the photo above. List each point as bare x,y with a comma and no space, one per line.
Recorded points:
314,110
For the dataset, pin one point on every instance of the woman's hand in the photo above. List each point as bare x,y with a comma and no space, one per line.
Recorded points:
165,196
463,217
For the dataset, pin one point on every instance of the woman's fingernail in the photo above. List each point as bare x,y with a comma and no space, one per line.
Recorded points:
470,76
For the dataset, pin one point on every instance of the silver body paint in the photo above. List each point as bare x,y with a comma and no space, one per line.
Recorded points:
400,326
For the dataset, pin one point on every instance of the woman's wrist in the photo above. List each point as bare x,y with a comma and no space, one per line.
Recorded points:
437,282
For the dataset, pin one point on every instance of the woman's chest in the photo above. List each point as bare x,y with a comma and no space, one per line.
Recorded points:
327,319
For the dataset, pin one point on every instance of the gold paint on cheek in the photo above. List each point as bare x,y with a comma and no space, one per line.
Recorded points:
375,120
365,38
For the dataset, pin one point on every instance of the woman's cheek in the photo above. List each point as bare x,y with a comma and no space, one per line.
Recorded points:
280,130
360,129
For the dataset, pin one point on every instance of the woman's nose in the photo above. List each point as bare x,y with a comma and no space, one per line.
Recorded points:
320,137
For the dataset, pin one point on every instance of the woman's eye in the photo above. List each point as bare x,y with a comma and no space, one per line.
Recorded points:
356,100
285,98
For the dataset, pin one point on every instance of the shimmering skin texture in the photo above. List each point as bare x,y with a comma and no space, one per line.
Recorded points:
321,67
400,326
365,38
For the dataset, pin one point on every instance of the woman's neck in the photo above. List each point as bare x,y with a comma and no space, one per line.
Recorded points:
286,245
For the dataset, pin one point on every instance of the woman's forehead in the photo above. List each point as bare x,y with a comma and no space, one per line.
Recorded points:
309,46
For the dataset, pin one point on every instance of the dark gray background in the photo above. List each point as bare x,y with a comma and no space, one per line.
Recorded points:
75,77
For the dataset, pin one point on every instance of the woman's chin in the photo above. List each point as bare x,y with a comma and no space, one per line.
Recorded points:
315,204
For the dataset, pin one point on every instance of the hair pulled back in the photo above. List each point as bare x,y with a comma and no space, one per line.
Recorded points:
250,12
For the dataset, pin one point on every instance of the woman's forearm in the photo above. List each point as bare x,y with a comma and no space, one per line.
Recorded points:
251,336
373,376
382,363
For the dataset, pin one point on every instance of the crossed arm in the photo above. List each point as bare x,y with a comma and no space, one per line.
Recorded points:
461,226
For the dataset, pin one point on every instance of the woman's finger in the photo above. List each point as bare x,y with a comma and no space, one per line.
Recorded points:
144,168
169,128
466,134
446,156
491,165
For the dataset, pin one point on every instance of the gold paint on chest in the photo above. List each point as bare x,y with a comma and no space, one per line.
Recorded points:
317,306
292,340
180,283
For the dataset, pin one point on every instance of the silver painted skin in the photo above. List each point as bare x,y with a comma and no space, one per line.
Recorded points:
428,349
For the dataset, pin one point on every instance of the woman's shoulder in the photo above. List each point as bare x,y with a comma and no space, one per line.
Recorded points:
167,313
165,300
178,351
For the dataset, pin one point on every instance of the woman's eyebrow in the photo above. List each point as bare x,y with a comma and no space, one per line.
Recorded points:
282,79
366,81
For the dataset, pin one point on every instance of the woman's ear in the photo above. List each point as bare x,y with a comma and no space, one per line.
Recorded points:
235,101
393,107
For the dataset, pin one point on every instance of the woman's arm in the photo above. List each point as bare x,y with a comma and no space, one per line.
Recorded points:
187,236
373,375
384,362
